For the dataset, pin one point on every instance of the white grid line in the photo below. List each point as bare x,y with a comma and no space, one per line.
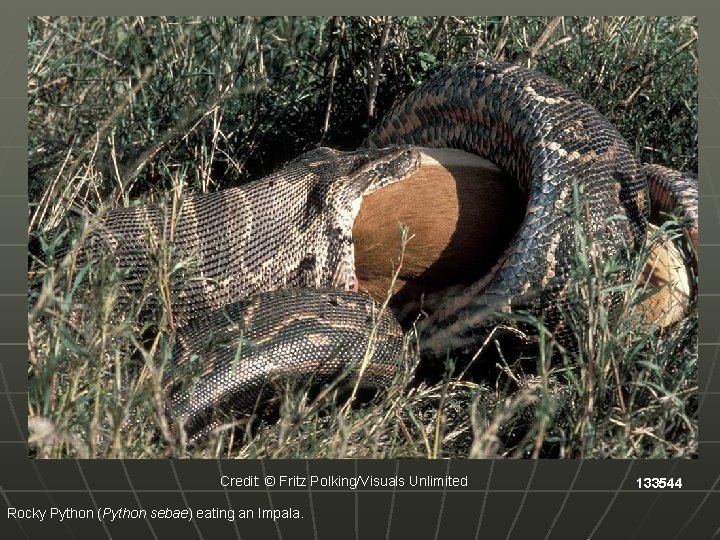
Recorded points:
312,504
565,499
227,498
522,501
485,498
442,503
612,501
652,506
184,498
695,512
92,499
392,502
269,496
137,497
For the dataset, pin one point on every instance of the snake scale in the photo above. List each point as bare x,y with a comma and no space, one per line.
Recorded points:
266,297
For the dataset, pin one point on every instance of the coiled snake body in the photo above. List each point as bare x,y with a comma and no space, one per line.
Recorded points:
270,293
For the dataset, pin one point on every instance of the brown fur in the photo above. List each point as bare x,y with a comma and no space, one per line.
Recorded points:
461,211
456,211
666,272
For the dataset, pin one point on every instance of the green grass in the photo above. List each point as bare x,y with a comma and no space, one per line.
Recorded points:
125,110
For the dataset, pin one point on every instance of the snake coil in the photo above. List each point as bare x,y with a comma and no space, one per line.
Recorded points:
266,253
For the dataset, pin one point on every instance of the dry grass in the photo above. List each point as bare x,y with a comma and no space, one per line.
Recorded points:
124,110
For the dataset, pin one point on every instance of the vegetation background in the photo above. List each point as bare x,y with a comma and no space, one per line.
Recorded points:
125,110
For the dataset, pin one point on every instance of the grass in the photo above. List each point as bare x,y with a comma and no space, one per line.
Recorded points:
125,110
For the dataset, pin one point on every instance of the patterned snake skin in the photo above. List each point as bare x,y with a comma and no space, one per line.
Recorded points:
249,270
553,143
671,189
256,250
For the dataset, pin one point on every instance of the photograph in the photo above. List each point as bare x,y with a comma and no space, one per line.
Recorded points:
363,237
